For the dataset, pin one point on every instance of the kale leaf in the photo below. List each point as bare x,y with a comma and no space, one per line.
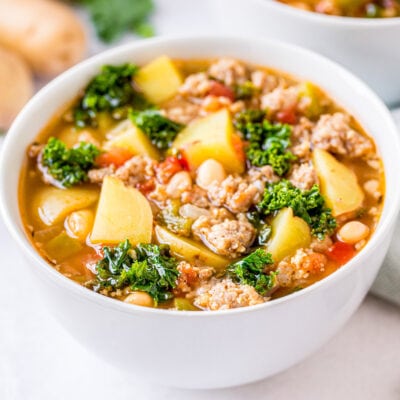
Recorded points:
68,166
161,130
113,18
109,91
147,267
250,271
307,204
267,143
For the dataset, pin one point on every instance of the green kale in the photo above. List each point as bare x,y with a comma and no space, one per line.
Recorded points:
109,91
161,130
250,271
264,230
114,18
267,143
245,91
147,267
68,166
307,204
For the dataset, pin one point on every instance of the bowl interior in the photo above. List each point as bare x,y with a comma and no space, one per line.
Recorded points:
343,87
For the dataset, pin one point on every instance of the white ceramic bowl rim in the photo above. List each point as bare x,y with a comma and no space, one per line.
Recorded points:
335,20
389,212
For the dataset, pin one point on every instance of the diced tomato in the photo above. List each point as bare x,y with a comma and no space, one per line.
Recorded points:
287,116
238,145
220,90
147,186
341,252
169,167
116,156
184,162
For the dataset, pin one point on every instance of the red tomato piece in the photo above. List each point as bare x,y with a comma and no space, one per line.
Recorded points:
220,90
287,116
341,252
169,167
116,156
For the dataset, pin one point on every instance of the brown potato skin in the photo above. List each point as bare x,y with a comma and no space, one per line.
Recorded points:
47,34
16,86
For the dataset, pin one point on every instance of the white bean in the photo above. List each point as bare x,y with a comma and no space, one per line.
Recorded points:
140,299
179,183
210,171
353,231
79,224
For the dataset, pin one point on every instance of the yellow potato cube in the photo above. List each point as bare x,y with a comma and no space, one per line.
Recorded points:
159,80
189,249
123,213
338,183
211,137
289,233
127,136
53,205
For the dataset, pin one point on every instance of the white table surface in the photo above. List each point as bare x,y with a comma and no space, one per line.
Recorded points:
40,361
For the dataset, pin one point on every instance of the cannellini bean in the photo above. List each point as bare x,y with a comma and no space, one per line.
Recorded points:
179,183
193,212
353,231
372,188
210,171
140,299
79,224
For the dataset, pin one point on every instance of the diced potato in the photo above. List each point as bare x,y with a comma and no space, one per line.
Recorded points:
338,183
211,137
53,204
127,136
189,249
159,80
62,247
123,213
289,233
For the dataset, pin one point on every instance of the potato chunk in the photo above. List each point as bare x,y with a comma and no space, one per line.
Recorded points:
127,136
123,213
53,204
190,250
211,137
289,233
338,183
159,80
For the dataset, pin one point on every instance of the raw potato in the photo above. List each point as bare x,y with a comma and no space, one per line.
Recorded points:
159,80
16,86
289,233
129,137
123,213
47,34
53,204
211,137
338,183
189,249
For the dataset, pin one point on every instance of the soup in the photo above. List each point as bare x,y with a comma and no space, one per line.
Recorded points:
346,8
200,185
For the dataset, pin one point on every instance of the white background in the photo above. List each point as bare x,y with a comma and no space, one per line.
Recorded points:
40,361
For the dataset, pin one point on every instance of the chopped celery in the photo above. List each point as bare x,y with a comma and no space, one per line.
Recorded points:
61,247
184,305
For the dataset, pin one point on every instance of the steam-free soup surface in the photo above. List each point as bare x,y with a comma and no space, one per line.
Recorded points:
200,185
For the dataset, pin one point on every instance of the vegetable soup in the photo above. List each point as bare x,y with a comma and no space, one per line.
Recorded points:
200,185
349,8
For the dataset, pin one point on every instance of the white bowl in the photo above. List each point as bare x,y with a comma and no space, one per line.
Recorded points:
207,349
368,47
